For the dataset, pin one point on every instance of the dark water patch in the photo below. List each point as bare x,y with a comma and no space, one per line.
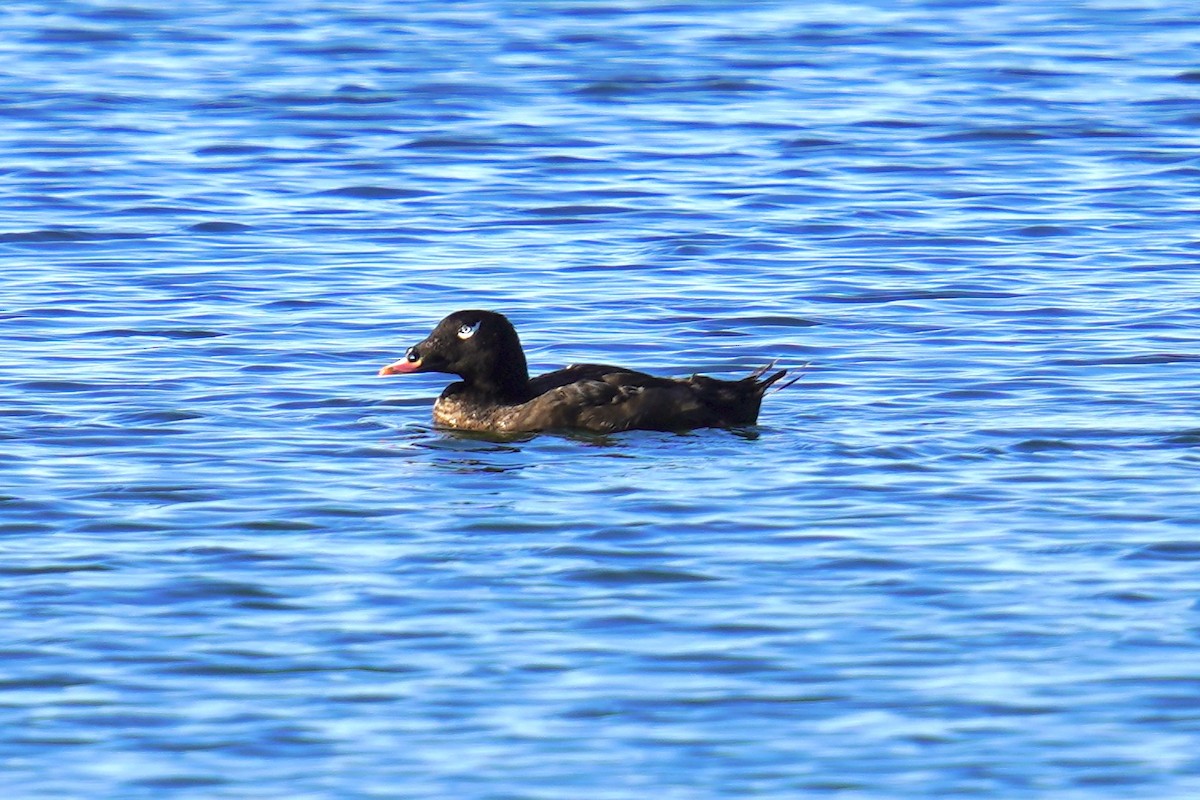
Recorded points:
993,134
65,387
298,304
974,394
591,552
53,569
576,210
909,589
228,669
160,333
770,321
1119,777
59,741
634,577
916,294
206,588
23,529
811,143
1043,231
183,781
1046,445
618,87
864,564
1177,172
69,235
619,193
542,221
264,369
324,402
738,629
892,124
1189,438
1106,133
904,169
904,239
1132,597
123,13
621,622
275,525
220,553
503,525
163,210
1033,72
44,681
165,493
715,663
220,226
1147,358
1166,551
720,85
453,144
348,52
567,161
79,35
231,149
121,527
356,512
348,95
376,192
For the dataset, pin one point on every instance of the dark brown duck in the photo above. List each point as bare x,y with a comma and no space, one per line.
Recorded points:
496,393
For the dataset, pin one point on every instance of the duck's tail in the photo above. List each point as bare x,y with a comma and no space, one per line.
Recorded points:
762,384
736,402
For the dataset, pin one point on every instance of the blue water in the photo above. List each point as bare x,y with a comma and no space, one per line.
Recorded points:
960,558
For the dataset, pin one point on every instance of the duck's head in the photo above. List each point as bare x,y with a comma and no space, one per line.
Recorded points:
481,347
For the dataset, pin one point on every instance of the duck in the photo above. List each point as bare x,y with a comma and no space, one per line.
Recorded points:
496,395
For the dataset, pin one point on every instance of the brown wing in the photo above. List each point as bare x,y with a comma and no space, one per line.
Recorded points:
657,404
607,399
613,400
579,372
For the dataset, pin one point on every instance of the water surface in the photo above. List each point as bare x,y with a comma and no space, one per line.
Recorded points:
958,558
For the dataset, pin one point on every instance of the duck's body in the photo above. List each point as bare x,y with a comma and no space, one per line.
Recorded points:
497,395
604,399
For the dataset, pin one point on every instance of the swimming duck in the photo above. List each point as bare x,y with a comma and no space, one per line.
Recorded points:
497,395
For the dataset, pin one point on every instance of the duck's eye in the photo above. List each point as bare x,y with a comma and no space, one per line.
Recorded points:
467,331
412,354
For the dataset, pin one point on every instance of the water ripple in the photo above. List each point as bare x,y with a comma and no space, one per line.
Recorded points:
239,563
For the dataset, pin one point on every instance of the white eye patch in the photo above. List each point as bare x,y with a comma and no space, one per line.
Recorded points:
467,331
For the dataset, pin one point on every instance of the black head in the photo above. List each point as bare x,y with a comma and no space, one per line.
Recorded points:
481,347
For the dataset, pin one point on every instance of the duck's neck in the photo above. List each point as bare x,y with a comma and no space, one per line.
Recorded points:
506,382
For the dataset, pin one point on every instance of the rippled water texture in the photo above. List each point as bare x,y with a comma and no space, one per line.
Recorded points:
959,558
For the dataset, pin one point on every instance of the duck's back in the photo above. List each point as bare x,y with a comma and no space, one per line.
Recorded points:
608,399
